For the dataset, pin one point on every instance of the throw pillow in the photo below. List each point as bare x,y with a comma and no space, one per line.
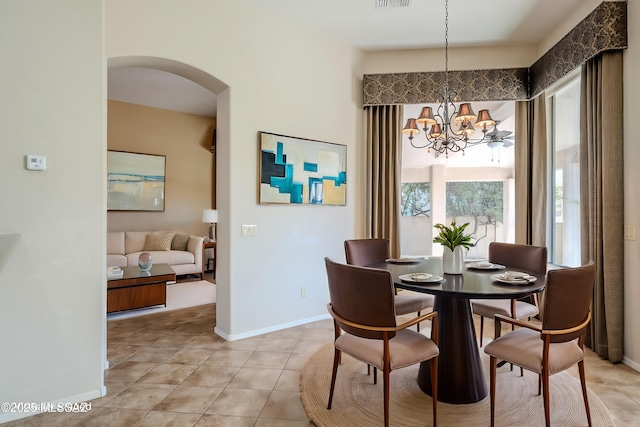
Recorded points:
179,242
158,241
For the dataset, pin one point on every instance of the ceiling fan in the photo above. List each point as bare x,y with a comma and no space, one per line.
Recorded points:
497,139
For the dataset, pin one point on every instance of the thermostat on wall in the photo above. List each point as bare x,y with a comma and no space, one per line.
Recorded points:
36,163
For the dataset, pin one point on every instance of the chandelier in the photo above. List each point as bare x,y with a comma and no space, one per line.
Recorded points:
451,127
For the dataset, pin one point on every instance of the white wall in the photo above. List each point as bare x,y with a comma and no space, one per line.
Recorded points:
52,274
631,180
281,78
467,58
582,10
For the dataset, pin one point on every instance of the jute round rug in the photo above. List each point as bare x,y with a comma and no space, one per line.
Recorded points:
358,402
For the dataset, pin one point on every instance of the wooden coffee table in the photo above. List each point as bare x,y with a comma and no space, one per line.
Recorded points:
137,288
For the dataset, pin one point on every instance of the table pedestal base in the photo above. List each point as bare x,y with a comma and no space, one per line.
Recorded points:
460,374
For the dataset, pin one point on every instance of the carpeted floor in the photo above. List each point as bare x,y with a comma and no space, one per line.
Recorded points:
179,295
358,402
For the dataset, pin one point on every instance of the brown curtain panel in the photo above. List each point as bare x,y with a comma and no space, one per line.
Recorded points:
384,149
531,171
602,201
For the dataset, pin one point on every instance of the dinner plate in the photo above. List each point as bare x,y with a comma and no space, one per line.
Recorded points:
402,260
420,278
524,281
477,266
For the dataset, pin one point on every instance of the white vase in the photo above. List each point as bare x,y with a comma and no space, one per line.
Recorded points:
453,261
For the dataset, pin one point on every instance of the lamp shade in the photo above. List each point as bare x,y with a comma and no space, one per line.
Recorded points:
436,131
484,119
465,113
426,117
210,216
411,128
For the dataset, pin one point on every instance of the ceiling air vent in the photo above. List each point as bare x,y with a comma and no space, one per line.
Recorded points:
386,4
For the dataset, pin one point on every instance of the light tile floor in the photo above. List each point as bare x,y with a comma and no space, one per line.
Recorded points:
170,369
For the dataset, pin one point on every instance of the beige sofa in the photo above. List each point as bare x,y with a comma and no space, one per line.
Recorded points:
124,248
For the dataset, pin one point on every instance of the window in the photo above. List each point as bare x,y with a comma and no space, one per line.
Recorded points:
563,127
476,186
481,204
415,220
416,199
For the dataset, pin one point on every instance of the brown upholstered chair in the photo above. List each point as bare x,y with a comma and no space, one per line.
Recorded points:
363,252
531,259
364,317
558,344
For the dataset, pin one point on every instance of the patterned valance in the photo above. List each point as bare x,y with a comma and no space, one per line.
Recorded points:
419,88
604,29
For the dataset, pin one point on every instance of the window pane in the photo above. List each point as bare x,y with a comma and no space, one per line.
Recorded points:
565,185
480,203
416,199
415,222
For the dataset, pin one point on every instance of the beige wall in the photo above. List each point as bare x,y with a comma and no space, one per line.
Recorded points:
185,140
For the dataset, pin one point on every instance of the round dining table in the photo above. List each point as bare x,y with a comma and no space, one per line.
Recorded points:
460,374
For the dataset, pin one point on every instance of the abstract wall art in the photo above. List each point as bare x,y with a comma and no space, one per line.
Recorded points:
301,171
135,182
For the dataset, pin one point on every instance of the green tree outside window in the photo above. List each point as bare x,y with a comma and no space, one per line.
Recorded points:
482,200
416,199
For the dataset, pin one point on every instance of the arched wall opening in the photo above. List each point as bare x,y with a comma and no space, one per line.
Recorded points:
187,71
222,173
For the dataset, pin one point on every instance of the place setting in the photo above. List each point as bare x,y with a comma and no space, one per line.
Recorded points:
403,260
514,278
420,278
484,265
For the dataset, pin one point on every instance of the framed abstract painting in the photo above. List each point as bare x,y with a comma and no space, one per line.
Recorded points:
301,171
135,182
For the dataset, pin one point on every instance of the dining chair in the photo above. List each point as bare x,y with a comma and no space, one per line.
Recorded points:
558,343
363,252
364,318
531,259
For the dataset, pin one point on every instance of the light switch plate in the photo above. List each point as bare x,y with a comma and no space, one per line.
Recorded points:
249,230
630,232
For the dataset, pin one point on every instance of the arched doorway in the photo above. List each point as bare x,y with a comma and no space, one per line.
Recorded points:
213,85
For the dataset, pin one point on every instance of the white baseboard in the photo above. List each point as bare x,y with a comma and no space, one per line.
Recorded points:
630,363
235,337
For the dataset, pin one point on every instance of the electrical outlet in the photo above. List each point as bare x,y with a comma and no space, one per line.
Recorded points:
303,292
630,232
